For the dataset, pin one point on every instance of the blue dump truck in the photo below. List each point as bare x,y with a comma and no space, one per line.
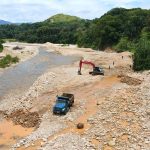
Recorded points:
63,103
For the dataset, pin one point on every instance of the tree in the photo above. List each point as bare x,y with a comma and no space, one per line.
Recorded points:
142,55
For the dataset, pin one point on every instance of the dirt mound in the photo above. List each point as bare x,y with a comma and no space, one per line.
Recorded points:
25,118
129,80
17,48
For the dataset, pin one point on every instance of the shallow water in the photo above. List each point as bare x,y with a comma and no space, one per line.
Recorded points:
23,75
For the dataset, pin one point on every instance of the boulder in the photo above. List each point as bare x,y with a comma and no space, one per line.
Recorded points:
80,125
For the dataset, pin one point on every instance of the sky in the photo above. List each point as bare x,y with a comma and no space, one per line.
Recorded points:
19,11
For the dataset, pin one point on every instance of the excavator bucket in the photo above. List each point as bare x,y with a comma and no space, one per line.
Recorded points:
79,72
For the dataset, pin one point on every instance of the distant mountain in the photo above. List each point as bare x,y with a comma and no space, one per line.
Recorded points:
63,18
3,22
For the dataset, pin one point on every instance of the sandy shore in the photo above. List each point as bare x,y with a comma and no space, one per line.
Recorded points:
115,113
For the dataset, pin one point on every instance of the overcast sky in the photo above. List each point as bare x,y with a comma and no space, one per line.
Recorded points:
39,10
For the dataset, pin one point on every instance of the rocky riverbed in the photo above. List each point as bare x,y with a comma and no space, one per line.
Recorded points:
113,108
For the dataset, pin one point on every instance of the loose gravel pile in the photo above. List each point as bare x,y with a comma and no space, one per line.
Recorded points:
130,80
122,120
69,142
25,118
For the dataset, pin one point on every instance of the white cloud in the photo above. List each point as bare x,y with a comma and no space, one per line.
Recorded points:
38,10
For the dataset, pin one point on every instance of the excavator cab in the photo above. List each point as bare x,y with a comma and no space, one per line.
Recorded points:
97,71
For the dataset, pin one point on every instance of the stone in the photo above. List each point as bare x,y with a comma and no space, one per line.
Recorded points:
42,144
112,142
44,140
80,125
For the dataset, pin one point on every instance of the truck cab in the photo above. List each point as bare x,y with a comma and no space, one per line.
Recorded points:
63,103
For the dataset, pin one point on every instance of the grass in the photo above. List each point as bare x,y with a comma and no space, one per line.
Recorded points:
63,18
9,40
8,60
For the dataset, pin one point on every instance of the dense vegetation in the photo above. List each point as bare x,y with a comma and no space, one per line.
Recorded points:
57,29
8,60
120,29
142,54
116,27
1,46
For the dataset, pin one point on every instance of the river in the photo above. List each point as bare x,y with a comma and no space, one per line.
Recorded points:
23,75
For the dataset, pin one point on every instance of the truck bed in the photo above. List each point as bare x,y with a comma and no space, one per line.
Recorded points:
70,97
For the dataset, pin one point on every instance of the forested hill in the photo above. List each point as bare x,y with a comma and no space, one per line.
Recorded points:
57,29
116,25
120,29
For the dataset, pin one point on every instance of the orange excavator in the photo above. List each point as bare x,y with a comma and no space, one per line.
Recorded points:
96,70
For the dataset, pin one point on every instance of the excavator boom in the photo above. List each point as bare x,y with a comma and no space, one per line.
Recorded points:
84,62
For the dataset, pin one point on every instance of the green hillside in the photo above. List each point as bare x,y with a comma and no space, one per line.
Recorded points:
62,18
57,29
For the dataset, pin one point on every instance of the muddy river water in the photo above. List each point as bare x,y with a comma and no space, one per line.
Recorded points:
23,75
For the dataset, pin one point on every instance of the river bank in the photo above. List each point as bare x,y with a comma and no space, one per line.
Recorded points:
21,50
114,112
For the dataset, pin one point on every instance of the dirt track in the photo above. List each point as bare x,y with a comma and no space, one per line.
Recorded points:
115,114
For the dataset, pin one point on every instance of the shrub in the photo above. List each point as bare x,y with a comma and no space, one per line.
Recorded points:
8,60
1,47
15,59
